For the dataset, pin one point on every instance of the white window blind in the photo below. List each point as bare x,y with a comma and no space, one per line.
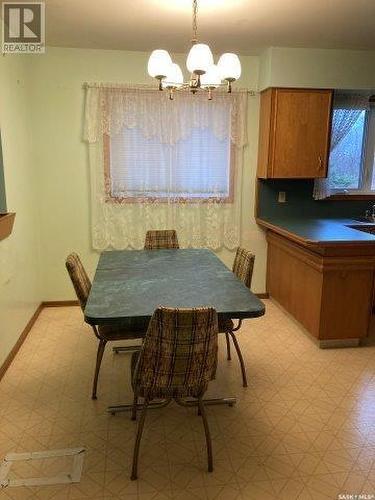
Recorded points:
195,167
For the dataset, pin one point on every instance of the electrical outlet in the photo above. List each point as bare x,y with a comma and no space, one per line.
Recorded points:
281,198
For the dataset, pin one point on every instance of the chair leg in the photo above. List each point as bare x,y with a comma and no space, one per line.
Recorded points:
138,441
134,409
99,357
207,433
239,354
228,346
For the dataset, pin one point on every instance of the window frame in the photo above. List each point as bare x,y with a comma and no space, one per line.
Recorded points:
110,198
367,165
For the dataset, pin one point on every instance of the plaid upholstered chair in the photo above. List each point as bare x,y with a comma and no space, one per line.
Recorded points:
178,359
157,240
104,334
243,266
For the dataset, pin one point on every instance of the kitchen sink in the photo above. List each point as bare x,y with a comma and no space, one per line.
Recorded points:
366,228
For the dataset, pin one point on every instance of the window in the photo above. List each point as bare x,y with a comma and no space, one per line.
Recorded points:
167,164
197,167
351,162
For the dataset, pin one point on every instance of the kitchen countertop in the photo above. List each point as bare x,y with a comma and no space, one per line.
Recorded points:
318,231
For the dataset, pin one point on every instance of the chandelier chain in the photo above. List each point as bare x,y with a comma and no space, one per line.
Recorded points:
195,24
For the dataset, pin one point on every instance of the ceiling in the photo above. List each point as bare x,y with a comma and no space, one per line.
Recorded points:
243,26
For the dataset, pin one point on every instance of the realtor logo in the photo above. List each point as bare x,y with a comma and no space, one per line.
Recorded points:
23,28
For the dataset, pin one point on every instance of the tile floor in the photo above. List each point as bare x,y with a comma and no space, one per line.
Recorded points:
304,428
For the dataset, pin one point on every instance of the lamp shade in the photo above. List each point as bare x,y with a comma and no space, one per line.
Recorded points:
199,59
158,63
174,77
212,78
229,66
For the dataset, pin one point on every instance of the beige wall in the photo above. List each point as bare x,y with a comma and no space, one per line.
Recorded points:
63,183
19,277
345,69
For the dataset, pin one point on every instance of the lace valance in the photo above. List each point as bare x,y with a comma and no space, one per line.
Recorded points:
110,108
342,100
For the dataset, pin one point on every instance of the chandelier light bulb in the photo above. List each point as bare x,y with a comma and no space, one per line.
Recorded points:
212,78
159,63
174,77
199,59
229,66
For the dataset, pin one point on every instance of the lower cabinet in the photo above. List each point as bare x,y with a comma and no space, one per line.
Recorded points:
328,290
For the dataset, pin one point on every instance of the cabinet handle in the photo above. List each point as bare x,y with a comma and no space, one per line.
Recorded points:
320,163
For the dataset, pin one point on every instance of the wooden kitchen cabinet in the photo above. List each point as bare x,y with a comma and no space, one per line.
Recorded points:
328,290
294,133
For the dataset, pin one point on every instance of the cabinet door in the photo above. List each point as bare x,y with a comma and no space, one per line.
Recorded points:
301,132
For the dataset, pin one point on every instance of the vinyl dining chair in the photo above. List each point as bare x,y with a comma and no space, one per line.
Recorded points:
160,239
177,360
243,266
105,333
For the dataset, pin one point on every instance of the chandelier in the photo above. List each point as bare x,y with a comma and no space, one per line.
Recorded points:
205,75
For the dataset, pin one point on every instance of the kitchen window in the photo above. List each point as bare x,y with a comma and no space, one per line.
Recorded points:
351,161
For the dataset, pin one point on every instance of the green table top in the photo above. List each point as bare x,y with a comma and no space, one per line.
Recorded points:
130,284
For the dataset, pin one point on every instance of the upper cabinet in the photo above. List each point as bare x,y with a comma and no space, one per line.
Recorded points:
294,133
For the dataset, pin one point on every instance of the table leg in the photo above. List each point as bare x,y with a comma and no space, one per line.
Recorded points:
230,401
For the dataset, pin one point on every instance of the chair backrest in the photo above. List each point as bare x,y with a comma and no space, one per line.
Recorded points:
80,280
179,353
243,265
156,240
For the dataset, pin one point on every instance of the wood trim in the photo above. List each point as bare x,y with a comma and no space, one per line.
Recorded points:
30,324
20,341
60,303
264,295
320,262
265,138
351,197
336,343
6,224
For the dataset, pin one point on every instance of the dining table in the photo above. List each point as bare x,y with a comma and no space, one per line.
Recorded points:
130,284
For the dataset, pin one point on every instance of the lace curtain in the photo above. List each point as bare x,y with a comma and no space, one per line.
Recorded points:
145,122
342,123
